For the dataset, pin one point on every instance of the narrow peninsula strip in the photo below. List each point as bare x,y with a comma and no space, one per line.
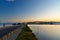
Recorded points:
26,34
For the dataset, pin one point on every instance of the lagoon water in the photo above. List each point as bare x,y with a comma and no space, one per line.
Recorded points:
1,25
46,32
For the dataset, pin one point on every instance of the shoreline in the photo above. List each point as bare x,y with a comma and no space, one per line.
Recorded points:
26,34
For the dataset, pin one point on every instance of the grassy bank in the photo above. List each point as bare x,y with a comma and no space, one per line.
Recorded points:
26,34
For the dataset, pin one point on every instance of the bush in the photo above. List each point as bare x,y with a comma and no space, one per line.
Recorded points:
18,23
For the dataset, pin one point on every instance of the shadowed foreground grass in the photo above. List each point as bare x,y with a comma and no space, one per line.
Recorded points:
26,34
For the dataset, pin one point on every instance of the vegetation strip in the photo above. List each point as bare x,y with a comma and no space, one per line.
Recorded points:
26,34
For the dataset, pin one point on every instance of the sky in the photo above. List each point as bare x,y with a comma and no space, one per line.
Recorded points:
29,10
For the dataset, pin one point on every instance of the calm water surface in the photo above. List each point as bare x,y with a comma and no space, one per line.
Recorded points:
1,25
46,32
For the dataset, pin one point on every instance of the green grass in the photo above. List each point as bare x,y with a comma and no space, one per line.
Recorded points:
26,34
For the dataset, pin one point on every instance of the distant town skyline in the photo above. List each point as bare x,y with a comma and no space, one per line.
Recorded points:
29,10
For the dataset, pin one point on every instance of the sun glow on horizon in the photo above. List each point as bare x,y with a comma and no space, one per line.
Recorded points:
31,20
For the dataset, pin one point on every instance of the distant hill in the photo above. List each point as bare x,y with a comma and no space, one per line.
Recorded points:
37,22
